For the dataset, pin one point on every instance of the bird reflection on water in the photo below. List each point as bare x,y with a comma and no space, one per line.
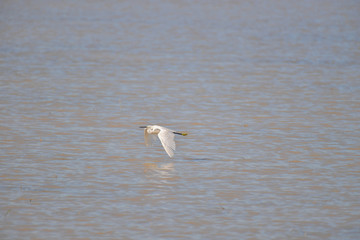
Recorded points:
160,172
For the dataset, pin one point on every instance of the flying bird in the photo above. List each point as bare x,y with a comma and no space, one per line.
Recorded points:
165,135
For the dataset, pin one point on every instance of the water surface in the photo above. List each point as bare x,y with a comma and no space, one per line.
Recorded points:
269,93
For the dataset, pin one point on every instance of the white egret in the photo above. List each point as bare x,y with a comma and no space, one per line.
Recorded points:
165,135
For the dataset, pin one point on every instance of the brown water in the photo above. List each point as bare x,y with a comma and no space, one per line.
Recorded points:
269,92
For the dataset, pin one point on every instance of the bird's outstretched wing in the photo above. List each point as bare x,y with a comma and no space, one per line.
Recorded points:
166,137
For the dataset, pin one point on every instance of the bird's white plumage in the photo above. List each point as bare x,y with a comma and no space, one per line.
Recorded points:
165,135
149,138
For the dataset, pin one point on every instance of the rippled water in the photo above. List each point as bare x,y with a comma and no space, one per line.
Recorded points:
269,93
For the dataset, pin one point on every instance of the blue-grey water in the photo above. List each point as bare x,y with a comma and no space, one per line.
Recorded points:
269,92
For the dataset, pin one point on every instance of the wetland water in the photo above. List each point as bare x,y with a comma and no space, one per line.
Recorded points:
269,92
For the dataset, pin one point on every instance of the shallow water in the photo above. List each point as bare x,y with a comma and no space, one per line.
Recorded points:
269,93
